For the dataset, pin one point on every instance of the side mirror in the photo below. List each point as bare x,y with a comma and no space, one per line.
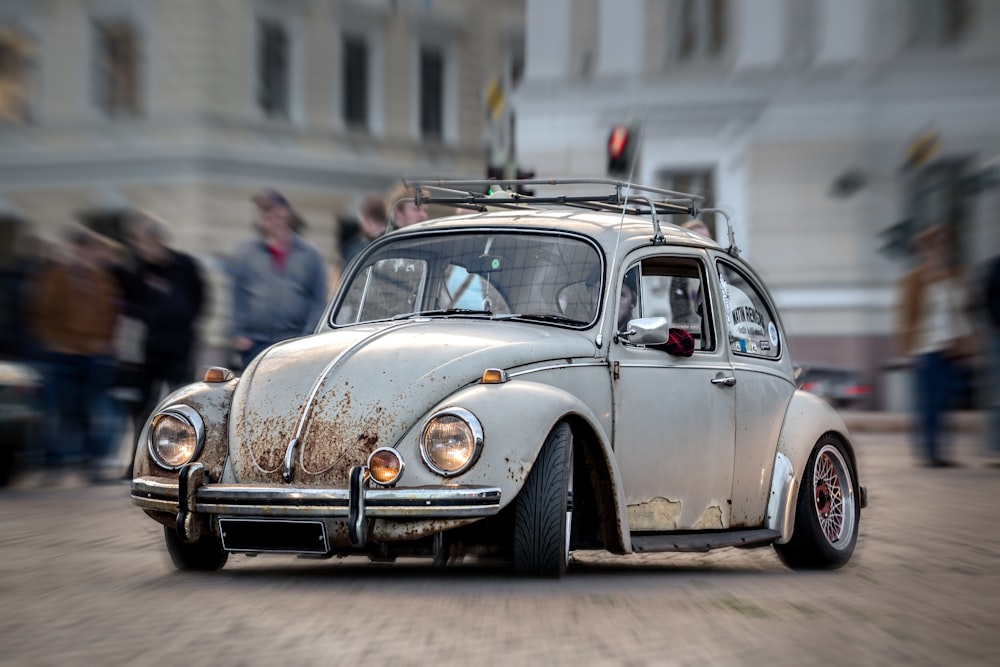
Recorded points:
646,331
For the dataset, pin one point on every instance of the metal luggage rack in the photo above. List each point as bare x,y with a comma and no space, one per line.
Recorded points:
622,197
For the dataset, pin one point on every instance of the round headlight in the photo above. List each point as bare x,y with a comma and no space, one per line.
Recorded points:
385,465
451,441
175,436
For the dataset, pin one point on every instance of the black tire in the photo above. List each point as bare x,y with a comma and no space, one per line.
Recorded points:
541,523
827,512
205,555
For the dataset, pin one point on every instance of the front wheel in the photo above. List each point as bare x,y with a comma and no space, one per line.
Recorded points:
827,511
543,514
205,555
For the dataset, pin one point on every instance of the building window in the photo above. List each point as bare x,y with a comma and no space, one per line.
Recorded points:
355,88
116,68
16,71
431,93
697,30
938,23
273,69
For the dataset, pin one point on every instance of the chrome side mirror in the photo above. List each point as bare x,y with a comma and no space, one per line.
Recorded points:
646,331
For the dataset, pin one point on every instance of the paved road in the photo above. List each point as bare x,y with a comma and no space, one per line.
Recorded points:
84,581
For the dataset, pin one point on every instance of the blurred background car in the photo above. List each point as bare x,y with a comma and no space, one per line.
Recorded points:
844,388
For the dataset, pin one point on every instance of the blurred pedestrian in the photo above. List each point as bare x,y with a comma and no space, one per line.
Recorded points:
698,227
279,280
74,312
935,333
402,207
372,222
166,292
992,311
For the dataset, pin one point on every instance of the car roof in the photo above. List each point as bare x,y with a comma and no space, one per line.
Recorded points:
604,227
616,214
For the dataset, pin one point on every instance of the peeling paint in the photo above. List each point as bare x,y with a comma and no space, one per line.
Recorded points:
655,514
712,518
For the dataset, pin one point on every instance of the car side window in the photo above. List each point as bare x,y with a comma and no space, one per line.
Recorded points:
673,288
751,326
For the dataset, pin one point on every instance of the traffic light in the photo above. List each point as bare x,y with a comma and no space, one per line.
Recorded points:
621,150
521,190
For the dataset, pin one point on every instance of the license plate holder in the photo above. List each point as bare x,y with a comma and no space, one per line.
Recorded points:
274,536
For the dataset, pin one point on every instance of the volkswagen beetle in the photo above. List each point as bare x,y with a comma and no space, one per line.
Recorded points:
478,386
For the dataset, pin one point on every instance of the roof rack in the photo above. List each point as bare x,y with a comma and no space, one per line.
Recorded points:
619,197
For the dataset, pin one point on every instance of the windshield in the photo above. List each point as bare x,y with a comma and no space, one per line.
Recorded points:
496,274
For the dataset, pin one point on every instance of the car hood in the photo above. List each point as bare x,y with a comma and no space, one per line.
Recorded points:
347,392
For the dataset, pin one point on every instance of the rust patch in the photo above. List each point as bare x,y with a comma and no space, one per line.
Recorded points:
384,530
655,514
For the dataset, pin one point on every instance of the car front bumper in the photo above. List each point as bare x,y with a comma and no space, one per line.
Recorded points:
194,501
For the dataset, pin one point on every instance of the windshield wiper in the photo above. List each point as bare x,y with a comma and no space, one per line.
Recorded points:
540,317
444,312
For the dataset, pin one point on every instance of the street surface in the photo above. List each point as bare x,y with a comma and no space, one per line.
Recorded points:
85,580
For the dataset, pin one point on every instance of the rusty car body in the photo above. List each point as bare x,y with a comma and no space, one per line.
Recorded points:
469,391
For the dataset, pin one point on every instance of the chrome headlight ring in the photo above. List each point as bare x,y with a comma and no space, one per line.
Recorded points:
181,417
451,441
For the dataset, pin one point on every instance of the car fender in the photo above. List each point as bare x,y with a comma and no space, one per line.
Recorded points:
513,438
212,401
807,418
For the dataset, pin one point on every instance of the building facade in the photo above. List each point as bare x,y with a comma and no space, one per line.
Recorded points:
186,107
831,130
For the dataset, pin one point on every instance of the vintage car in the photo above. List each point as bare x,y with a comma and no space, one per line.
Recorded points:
469,392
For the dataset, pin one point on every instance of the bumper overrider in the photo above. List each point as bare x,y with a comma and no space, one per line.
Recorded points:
298,515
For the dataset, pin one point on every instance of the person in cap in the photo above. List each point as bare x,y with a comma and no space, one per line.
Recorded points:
279,280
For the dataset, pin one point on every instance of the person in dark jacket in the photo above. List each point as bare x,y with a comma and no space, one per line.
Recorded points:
992,308
166,292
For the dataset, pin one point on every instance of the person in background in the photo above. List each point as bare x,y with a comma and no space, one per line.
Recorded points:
933,330
279,281
74,312
166,292
679,342
373,220
627,299
992,312
698,227
403,211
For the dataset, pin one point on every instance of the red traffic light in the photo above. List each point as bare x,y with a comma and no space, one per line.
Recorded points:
617,142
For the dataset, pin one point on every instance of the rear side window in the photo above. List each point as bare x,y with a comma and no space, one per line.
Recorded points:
752,327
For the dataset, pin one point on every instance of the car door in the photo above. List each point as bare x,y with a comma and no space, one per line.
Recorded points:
763,387
674,416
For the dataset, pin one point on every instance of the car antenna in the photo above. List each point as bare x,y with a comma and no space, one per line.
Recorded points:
599,341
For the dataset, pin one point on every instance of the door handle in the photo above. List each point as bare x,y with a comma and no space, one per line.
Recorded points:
724,380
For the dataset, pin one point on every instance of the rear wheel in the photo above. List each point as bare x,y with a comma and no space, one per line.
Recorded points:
205,555
543,513
827,511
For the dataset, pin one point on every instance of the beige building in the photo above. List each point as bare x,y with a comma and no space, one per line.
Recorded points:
798,117
186,107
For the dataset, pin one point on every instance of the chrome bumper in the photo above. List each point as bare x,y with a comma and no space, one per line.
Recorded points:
193,500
